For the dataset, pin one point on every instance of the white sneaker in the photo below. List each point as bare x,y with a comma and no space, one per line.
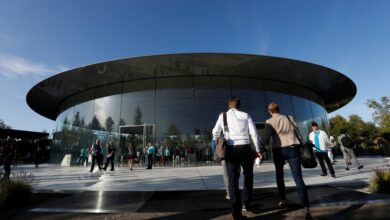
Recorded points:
282,203
227,197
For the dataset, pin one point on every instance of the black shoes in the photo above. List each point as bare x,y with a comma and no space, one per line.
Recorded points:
360,167
347,168
324,174
334,176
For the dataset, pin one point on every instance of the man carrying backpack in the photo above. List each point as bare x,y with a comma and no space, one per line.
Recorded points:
348,145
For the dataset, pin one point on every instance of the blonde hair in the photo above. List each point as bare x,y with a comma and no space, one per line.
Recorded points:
273,107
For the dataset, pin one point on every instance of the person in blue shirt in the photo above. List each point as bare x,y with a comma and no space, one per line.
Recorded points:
321,142
150,151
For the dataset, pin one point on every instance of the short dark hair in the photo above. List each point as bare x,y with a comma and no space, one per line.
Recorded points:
234,102
273,107
314,124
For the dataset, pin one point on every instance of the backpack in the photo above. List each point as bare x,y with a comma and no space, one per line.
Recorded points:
347,142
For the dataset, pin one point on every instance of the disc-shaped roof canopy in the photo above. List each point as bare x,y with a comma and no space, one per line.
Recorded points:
334,88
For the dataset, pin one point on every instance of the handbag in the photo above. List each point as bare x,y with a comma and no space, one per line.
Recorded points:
220,148
308,159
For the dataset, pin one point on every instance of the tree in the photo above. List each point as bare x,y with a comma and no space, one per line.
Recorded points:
122,122
381,109
138,116
77,121
3,125
95,124
337,123
364,133
109,124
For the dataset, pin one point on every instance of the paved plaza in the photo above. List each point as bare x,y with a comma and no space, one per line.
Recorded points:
170,178
197,193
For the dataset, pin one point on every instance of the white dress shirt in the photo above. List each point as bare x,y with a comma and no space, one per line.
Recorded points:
240,126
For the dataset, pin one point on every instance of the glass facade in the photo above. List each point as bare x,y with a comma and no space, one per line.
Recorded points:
175,112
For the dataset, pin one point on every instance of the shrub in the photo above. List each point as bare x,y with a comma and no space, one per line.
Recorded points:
380,181
17,191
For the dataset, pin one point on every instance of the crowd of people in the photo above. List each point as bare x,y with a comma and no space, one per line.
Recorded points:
148,156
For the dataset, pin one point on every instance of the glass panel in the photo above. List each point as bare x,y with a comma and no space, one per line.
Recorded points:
211,97
252,102
283,100
302,109
174,109
106,114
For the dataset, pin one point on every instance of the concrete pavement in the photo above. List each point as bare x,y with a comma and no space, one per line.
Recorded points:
198,193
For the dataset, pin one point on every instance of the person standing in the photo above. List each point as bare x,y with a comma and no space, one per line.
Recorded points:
150,152
321,146
167,155
132,154
283,131
348,146
8,151
110,156
238,153
83,156
95,151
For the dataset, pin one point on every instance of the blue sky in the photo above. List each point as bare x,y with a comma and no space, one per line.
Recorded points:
44,37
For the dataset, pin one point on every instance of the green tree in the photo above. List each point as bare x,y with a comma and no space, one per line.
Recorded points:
362,132
337,123
77,120
122,122
138,116
381,108
3,125
95,124
109,124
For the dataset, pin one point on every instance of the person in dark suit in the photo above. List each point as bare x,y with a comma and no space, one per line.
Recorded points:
95,151
110,156
8,151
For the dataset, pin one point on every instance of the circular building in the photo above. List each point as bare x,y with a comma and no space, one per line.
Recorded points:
174,100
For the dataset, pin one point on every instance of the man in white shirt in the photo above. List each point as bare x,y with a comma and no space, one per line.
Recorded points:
238,153
321,146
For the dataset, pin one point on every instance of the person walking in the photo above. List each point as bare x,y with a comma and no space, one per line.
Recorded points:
348,146
224,170
131,155
321,147
95,151
330,150
150,152
238,153
283,131
110,156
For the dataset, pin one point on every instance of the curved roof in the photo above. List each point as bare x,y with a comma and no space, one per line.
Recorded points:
334,88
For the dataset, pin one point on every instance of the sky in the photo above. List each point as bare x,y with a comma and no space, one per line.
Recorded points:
42,38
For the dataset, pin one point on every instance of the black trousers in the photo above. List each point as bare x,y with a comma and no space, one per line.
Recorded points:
96,158
323,156
150,161
108,159
7,169
236,157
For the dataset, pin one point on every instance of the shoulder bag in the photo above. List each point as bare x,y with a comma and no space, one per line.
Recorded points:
308,159
221,142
